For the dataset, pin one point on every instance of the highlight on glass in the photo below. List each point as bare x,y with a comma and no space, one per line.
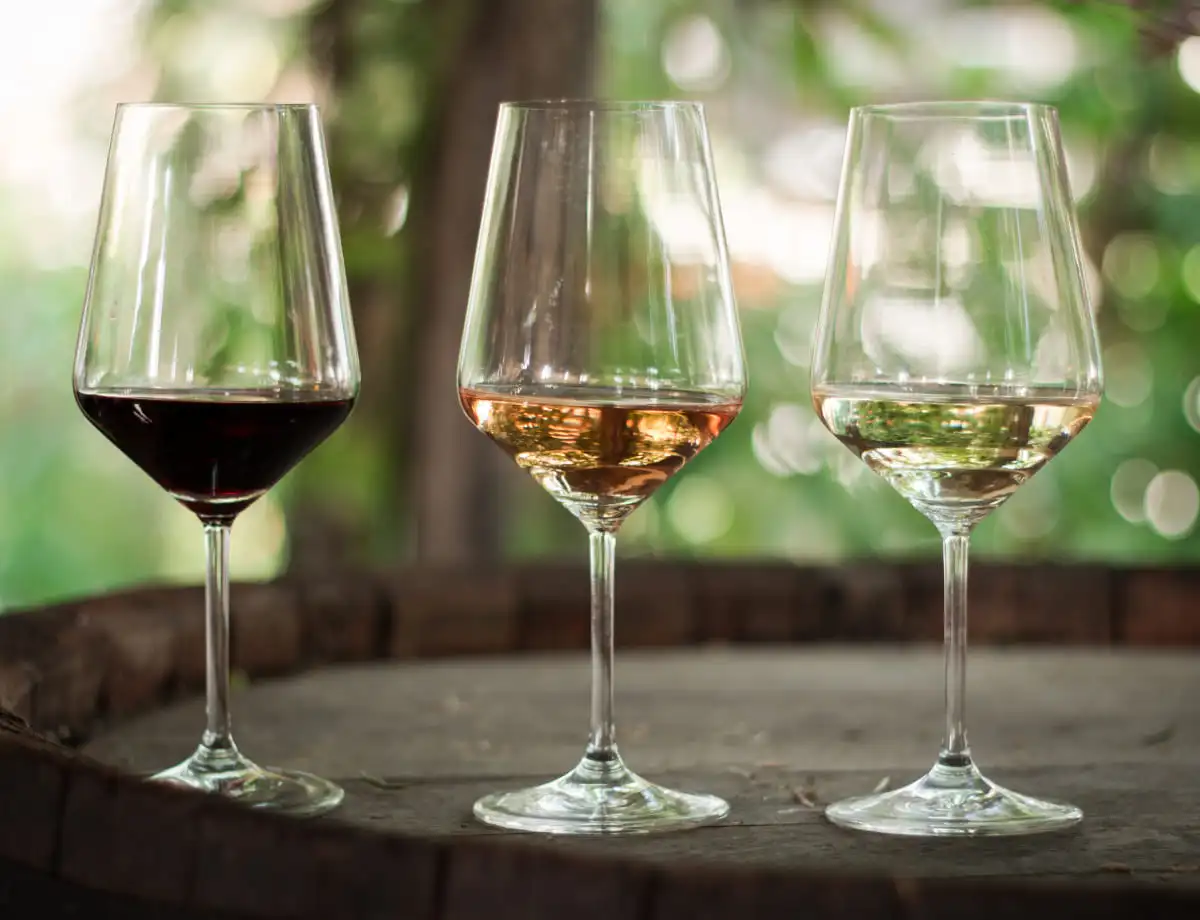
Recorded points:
956,354
601,355
216,349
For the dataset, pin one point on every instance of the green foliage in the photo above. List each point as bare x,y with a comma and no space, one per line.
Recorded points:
1118,104
78,518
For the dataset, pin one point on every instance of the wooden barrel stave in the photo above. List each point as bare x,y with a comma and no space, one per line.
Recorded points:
72,829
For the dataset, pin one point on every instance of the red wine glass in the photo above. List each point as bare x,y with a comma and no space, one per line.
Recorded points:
216,349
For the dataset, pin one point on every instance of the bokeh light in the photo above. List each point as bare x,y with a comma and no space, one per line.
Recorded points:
1189,271
1081,167
806,162
1188,61
1034,512
793,440
776,80
694,55
1173,164
1034,47
700,509
1191,403
1131,264
1129,377
396,213
1172,503
1128,488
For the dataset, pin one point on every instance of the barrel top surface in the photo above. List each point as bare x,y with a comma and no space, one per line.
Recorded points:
779,732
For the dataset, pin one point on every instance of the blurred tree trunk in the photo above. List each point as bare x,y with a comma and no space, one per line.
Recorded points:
441,495
513,49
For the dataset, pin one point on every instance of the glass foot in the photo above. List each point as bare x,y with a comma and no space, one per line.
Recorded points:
599,797
952,801
231,775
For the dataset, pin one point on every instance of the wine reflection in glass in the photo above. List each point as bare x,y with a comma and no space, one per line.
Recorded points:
956,354
601,352
216,349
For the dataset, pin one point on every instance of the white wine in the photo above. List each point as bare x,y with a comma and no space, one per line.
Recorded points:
599,456
954,451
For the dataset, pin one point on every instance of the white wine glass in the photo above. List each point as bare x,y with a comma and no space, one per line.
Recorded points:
601,352
956,353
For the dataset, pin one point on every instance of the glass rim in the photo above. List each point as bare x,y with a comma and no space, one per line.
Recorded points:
218,106
935,109
599,105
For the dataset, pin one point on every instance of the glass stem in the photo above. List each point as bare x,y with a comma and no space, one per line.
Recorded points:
602,745
217,745
955,543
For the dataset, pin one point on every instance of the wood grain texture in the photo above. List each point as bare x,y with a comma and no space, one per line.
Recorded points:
776,730
823,708
779,733
32,783
527,881
125,837
71,667
1157,607
404,842
28,893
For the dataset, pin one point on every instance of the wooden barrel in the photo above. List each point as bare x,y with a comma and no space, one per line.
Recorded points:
756,682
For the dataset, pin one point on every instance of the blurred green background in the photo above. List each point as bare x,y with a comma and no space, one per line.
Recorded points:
407,89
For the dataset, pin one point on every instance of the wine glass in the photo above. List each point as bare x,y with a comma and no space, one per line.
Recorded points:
956,354
216,348
601,352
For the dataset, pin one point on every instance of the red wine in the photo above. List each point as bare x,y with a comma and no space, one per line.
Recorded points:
214,452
